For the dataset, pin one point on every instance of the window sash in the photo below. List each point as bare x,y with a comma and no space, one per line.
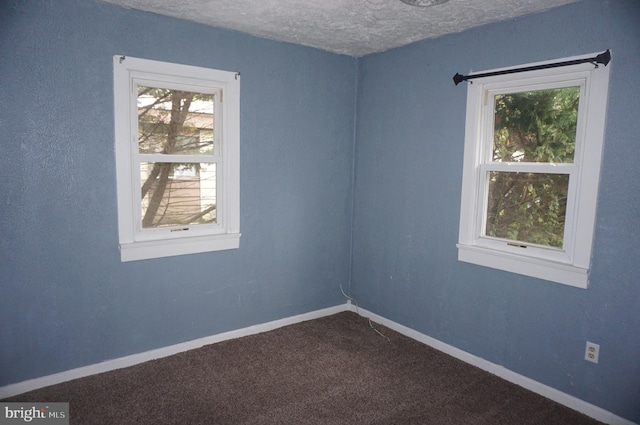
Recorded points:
488,112
486,164
177,231
560,255
187,85
556,254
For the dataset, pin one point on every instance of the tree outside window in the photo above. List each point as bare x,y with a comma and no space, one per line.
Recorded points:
170,123
531,127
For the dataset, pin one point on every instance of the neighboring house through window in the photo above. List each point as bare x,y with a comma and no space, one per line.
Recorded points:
533,145
177,158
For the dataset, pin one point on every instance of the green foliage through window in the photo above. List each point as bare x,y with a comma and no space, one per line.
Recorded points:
532,127
527,207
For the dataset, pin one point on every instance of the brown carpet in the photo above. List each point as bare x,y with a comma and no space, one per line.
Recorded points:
333,370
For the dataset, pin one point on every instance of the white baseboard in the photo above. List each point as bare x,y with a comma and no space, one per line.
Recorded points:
134,359
506,374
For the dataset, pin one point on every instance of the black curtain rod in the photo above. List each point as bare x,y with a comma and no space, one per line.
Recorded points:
602,58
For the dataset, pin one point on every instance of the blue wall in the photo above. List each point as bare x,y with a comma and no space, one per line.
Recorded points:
409,151
66,299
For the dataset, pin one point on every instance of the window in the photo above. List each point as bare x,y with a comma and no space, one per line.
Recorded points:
533,143
177,158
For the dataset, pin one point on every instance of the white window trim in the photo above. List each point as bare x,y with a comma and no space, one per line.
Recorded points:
571,266
134,244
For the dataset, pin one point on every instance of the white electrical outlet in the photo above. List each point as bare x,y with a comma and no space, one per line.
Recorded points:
592,352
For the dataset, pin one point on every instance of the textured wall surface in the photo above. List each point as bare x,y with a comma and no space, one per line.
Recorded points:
66,299
409,152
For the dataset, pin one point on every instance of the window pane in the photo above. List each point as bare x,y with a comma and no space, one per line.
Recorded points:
527,207
175,122
536,126
175,194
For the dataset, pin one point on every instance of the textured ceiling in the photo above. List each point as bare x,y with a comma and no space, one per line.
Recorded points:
351,27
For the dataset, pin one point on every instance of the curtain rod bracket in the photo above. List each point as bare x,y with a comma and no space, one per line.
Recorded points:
603,58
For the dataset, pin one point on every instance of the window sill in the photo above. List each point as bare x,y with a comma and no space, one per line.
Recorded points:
171,247
566,274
